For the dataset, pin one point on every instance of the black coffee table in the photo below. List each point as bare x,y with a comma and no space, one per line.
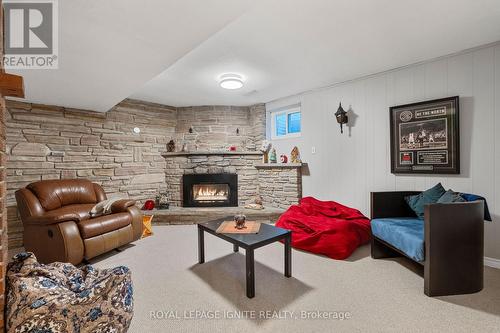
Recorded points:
267,234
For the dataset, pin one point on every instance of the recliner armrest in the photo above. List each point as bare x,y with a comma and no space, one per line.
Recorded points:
51,218
121,206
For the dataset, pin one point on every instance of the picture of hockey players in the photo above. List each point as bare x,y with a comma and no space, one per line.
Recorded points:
429,134
425,137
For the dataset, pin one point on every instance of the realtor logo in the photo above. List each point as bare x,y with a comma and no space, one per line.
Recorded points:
31,34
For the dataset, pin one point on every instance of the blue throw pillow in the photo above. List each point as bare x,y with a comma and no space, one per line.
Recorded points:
474,197
418,202
451,196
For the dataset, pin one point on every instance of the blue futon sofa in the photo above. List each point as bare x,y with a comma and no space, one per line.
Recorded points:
448,241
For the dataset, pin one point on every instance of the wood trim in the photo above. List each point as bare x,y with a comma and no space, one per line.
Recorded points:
11,85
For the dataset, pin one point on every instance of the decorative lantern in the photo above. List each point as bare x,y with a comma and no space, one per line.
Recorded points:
341,116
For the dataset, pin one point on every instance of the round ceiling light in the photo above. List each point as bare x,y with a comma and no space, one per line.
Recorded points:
231,81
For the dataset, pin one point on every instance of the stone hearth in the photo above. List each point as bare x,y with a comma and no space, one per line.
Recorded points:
182,215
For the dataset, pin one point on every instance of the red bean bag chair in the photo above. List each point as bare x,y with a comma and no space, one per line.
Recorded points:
326,227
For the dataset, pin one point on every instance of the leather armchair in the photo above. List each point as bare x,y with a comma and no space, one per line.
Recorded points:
58,225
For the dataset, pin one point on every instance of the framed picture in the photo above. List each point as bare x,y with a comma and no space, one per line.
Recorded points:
425,137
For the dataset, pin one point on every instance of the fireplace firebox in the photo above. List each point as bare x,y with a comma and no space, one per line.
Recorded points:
210,190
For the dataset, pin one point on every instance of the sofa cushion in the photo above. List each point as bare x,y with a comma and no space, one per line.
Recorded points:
103,224
54,194
404,233
418,202
451,196
475,197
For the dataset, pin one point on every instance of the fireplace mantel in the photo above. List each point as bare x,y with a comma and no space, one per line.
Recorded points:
209,153
278,165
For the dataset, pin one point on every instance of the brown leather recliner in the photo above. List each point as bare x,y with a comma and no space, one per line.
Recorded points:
58,226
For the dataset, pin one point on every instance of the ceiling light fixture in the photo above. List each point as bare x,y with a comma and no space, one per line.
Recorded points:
231,81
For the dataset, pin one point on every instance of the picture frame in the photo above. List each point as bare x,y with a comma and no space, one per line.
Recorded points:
425,137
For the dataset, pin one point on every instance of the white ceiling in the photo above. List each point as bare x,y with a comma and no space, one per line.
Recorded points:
113,49
289,46
109,49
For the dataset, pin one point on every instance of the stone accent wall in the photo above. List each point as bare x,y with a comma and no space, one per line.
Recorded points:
280,186
48,142
258,123
218,127
242,165
51,142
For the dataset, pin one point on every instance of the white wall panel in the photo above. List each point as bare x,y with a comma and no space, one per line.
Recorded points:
347,167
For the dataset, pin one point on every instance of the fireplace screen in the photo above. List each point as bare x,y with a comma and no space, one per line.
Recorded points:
210,192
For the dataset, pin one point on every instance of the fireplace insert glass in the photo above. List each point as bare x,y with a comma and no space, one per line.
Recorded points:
210,190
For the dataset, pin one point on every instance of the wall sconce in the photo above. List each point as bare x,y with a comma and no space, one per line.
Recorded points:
341,116
136,130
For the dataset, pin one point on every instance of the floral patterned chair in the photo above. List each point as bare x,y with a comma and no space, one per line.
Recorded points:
60,297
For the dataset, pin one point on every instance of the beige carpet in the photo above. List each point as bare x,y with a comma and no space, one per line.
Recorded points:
381,295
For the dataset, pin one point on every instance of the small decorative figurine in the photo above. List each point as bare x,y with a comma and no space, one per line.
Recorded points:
240,221
184,147
190,130
266,146
171,146
295,155
284,159
257,204
162,201
272,156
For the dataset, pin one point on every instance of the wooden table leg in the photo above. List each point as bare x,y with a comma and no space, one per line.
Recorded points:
288,255
201,246
236,248
250,269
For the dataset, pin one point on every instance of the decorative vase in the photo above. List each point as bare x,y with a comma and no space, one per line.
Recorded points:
272,157
148,205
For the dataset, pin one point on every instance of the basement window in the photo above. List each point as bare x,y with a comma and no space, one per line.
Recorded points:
286,122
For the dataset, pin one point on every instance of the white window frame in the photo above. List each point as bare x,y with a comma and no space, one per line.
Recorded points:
285,110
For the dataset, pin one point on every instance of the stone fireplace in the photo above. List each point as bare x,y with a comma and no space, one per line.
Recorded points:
210,190
279,185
